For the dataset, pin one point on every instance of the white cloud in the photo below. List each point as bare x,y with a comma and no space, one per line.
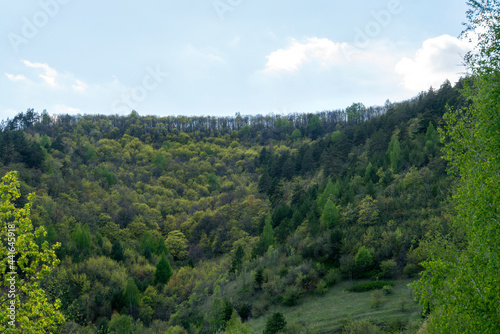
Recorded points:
80,86
63,109
50,74
321,50
13,77
438,59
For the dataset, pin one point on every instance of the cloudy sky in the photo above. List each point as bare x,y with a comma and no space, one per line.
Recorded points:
219,57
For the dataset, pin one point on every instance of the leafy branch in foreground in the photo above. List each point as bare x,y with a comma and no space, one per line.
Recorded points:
23,264
461,285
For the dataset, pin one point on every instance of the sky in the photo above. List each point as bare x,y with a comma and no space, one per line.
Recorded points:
220,57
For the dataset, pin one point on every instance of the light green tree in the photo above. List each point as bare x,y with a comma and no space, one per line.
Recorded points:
177,244
461,283
330,216
267,236
394,153
235,326
131,295
25,307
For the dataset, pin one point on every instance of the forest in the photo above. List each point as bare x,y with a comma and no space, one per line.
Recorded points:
148,224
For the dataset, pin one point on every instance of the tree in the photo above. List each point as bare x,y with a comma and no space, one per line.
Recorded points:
331,192
177,244
235,326
394,153
275,323
330,216
431,139
131,295
259,277
363,260
23,264
267,236
368,211
122,324
163,271
237,262
117,251
460,284
82,239
296,135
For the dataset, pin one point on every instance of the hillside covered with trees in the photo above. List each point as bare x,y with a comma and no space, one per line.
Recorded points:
177,222
145,224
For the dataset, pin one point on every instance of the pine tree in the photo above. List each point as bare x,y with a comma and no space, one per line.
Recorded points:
131,295
117,252
394,153
267,236
237,262
163,271
275,323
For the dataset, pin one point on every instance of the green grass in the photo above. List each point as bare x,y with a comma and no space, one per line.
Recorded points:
328,313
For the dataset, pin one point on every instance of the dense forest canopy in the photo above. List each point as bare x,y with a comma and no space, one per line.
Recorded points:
146,224
159,218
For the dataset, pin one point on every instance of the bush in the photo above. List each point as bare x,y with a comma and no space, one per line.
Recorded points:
377,297
388,269
259,308
403,305
292,295
332,277
387,289
363,287
321,288
360,327
411,269
275,323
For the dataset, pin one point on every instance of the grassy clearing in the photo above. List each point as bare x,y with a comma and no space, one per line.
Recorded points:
328,313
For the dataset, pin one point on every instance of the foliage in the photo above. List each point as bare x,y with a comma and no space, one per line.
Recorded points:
235,326
28,309
303,194
177,244
460,284
360,327
163,271
362,287
237,261
275,323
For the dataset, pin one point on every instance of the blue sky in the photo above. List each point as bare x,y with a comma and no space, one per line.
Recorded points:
219,57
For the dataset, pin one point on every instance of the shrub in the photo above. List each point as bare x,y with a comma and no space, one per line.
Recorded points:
403,305
377,297
321,288
259,308
360,327
332,277
292,295
388,269
411,269
370,286
275,323
387,289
